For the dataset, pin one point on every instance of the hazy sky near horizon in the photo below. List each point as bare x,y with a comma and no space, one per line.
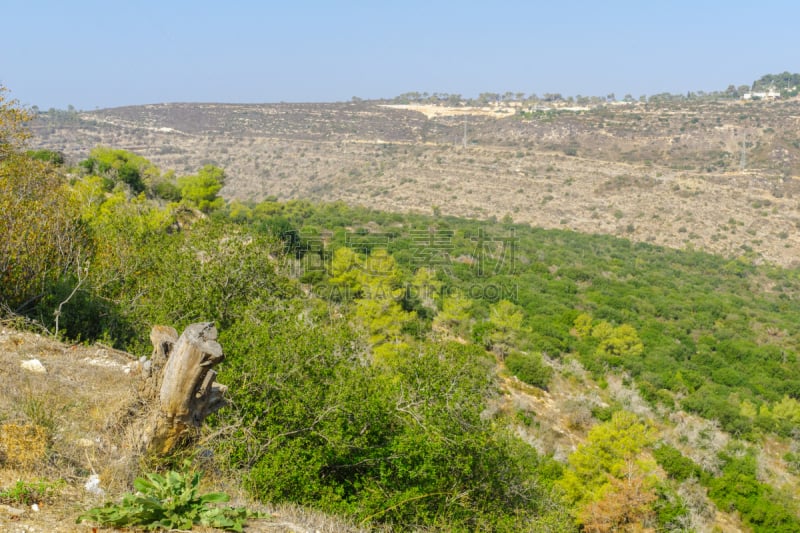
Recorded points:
94,54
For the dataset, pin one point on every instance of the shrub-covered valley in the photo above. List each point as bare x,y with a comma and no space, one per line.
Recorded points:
402,371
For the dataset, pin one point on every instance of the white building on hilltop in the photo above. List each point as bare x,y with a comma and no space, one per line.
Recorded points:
770,94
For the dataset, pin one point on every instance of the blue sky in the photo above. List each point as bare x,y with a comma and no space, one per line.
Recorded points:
102,54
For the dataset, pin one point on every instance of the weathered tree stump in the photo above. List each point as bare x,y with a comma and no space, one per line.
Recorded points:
163,339
187,393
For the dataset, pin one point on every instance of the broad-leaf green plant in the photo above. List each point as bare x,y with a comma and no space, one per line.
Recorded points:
171,501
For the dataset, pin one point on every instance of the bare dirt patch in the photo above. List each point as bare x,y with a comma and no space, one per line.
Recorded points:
436,111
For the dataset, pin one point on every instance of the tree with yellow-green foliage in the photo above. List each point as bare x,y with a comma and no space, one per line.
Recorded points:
201,190
122,228
122,167
379,308
583,325
239,212
374,282
505,319
613,450
620,341
425,289
42,237
455,316
748,409
384,320
13,119
346,272
787,409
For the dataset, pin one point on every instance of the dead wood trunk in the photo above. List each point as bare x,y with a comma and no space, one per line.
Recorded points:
187,393
163,339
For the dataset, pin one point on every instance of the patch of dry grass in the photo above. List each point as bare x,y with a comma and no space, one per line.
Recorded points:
22,445
58,426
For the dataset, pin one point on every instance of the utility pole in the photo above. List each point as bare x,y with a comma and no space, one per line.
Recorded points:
465,132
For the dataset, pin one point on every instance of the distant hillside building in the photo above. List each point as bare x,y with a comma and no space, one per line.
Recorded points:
770,94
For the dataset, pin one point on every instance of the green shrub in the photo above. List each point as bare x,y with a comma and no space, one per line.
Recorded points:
48,156
167,191
604,413
761,507
675,464
401,442
671,510
530,368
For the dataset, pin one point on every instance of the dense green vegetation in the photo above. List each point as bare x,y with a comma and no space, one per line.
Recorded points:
763,508
787,83
713,335
402,442
364,348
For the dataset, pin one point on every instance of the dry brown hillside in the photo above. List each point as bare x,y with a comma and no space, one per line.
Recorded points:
719,176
